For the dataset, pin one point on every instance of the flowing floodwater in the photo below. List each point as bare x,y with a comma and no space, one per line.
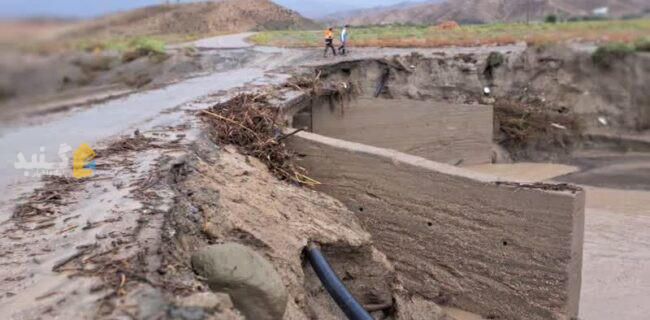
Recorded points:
616,256
103,121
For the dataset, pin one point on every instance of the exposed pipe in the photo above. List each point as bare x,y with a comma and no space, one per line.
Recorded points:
343,298
382,82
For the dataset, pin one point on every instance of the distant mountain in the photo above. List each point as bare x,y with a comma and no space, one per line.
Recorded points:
480,11
317,8
379,12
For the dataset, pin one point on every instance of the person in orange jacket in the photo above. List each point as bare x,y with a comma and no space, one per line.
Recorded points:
329,41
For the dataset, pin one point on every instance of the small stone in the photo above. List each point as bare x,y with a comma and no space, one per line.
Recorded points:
207,300
251,281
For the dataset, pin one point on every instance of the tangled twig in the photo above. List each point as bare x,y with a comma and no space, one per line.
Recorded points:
250,123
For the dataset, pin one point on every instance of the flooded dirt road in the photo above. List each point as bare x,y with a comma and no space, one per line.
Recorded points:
616,256
104,121
107,207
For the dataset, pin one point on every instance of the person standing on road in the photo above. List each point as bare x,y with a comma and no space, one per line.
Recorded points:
344,39
329,41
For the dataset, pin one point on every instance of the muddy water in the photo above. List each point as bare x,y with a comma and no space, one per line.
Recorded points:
616,256
103,121
527,172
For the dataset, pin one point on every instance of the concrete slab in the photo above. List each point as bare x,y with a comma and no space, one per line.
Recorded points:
456,134
467,240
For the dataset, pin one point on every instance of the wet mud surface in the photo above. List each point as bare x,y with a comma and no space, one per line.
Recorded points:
117,219
618,171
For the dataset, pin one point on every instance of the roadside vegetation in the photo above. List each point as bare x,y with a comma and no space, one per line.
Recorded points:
125,44
148,44
625,31
609,53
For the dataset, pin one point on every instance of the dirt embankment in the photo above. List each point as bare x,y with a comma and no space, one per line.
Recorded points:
122,239
545,98
32,83
125,51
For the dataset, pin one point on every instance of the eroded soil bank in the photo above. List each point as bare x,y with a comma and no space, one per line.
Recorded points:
547,100
552,103
118,245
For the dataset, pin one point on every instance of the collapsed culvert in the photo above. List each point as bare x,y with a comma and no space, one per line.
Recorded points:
385,137
379,111
546,102
442,228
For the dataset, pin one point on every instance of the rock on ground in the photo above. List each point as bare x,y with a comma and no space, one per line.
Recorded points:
251,281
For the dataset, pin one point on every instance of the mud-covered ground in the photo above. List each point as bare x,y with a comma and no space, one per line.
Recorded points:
116,245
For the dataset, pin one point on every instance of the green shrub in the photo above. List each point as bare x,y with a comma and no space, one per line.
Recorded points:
494,60
642,45
551,18
147,44
606,55
142,47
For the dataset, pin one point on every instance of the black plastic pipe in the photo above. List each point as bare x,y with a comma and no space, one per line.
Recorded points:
343,298
382,83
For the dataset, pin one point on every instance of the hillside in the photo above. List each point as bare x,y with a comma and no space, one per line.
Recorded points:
213,17
480,11
358,16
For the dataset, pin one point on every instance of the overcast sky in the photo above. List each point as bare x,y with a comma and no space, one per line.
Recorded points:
89,8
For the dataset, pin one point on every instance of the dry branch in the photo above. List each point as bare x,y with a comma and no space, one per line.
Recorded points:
251,124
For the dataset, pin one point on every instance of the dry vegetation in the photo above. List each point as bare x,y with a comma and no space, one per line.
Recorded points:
535,126
249,122
627,31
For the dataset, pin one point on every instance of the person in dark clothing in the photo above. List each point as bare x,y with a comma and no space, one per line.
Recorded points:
329,41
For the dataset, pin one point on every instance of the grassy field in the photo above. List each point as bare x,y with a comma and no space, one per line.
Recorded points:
624,31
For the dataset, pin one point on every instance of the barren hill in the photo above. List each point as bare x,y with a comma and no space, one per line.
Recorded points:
479,11
225,16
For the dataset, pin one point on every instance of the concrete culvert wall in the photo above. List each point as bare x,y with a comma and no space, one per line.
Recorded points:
505,251
382,115
555,84
444,132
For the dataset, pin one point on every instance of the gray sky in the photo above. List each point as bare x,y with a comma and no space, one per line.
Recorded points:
89,8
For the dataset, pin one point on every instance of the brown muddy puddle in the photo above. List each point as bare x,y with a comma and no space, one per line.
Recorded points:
616,256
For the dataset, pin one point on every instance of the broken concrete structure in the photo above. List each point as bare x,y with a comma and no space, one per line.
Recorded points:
503,250
439,131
